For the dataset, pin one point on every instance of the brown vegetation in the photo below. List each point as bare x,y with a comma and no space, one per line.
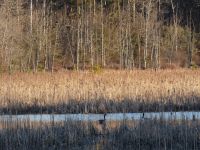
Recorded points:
145,134
102,91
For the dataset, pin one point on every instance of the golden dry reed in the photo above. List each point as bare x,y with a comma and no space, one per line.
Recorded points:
60,87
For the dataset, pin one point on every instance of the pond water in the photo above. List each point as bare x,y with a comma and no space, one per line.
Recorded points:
96,117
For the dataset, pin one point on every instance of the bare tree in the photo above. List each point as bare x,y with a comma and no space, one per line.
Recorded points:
147,17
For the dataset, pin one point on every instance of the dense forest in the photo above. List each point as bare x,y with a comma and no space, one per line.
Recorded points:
51,35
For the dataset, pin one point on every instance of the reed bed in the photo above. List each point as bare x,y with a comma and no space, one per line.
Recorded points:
145,134
102,91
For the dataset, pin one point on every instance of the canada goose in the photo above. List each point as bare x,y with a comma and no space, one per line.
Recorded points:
103,121
101,125
143,115
193,117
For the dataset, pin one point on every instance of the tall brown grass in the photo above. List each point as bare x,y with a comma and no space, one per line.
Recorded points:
108,90
146,134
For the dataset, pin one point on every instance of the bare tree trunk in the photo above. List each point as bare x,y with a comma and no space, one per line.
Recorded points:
159,36
78,42
190,41
55,47
139,52
51,49
86,35
31,34
102,36
146,34
91,36
120,36
134,10
81,29
175,36
44,33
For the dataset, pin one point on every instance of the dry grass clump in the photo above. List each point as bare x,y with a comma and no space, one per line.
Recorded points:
146,134
109,90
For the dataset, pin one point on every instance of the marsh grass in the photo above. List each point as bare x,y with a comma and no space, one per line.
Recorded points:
144,134
98,92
